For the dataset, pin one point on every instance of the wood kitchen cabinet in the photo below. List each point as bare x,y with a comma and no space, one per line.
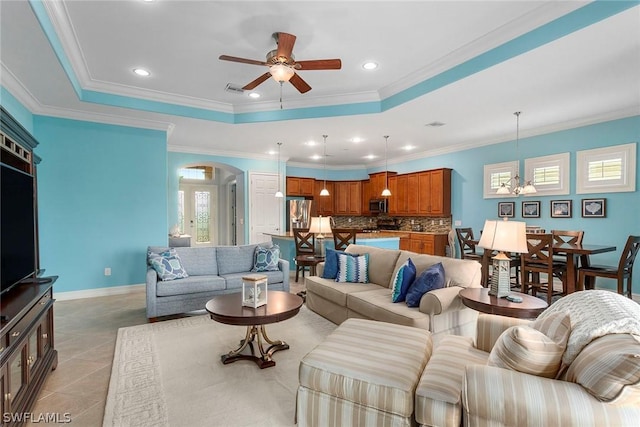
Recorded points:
324,204
435,192
348,198
431,244
300,186
366,196
392,206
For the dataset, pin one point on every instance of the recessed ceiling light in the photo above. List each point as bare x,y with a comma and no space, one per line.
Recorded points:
254,95
370,156
141,72
356,139
408,147
310,143
370,65
316,157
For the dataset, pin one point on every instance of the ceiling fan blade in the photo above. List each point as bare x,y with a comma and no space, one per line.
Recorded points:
241,60
299,84
319,64
285,45
263,78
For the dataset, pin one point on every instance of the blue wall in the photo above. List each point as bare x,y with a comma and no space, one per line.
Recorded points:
16,109
102,198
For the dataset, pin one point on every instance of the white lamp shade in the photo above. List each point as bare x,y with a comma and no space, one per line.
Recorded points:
504,236
324,192
320,225
386,192
281,73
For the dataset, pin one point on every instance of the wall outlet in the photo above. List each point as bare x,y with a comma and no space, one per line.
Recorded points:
457,223
433,222
413,222
349,219
107,271
441,222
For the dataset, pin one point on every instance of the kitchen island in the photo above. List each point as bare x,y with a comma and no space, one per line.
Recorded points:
382,239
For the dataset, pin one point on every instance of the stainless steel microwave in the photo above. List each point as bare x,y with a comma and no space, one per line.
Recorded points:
377,206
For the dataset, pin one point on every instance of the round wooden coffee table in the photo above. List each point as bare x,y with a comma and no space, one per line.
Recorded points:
480,300
228,309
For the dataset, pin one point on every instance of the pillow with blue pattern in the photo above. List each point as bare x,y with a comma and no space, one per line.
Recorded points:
430,279
167,264
266,259
353,269
405,276
331,263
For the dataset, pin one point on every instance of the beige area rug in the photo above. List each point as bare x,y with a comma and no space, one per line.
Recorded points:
170,374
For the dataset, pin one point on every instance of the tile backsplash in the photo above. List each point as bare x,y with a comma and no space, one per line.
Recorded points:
429,224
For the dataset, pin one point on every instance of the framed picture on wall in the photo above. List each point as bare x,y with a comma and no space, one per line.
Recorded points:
530,209
506,209
561,209
594,208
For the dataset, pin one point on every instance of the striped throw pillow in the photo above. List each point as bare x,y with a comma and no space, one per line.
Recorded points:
535,350
353,269
607,365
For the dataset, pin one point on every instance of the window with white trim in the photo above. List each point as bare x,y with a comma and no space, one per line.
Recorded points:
549,174
606,170
497,173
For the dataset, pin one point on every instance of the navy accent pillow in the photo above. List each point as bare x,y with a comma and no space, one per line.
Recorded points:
430,279
331,263
403,280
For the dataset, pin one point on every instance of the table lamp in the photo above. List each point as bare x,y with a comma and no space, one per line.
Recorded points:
503,236
320,224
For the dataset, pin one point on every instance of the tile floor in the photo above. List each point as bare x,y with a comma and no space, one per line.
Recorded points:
85,337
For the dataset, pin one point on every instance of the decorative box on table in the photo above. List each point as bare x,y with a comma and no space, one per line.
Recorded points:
254,290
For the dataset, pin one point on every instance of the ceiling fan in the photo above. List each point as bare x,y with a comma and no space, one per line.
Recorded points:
283,66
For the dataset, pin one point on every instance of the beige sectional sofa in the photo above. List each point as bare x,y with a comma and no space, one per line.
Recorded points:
441,311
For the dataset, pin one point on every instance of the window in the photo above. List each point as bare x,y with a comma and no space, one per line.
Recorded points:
196,173
549,174
497,173
606,170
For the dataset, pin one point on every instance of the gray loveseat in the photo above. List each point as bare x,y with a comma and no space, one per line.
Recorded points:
212,271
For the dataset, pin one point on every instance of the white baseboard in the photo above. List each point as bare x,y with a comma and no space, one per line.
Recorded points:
98,292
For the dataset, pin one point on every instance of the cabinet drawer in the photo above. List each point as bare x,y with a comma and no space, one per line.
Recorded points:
17,332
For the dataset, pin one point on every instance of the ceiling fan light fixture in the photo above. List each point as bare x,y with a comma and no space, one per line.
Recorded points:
281,73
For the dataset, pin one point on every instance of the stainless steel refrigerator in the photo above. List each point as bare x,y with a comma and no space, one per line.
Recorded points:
299,213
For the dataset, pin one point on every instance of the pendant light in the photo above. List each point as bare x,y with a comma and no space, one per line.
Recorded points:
279,193
386,192
505,187
324,191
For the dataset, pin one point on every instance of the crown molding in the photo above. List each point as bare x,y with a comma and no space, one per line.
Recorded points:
188,149
10,82
310,102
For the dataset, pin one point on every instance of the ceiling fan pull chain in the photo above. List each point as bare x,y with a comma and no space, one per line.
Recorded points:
281,95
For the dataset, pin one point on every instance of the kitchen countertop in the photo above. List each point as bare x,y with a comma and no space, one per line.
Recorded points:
442,233
359,236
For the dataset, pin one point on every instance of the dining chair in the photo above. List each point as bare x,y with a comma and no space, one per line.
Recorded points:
467,244
539,261
343,237
624,269
305,250
573,237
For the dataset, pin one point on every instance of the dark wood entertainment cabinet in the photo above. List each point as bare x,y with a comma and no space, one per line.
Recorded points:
27,351
27,354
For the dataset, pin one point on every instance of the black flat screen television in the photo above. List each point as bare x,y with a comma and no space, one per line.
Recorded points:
17,222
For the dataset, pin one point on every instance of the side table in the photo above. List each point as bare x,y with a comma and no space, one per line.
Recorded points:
480,300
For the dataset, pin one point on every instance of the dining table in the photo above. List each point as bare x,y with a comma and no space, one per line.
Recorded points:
578,253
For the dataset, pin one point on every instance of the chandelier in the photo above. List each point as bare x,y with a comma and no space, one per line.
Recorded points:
518,188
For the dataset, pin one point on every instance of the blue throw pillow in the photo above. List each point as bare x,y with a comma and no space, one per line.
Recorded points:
430,279
266,259
331,263
403,280
167,264
353,269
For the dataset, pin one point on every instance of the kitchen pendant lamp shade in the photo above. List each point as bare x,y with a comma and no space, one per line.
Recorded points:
386,192
279,192
324,192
